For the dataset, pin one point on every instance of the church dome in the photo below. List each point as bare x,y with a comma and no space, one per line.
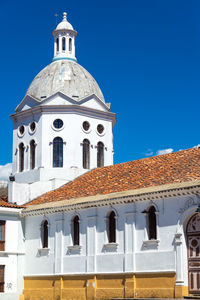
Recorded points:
67,77
64,24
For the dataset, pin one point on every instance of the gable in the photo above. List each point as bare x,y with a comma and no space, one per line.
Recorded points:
26,103
91,102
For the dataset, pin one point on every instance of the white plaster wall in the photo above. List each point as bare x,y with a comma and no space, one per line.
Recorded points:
131,254
30,184
13,256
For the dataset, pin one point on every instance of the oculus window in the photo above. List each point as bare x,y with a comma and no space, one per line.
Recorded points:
58,123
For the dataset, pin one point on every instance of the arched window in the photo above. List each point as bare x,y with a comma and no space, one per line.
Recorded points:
70,44
21,157
112,227
44,234
63,44
57,44
152,232
58,152
100,154
75,235
32,154
86,154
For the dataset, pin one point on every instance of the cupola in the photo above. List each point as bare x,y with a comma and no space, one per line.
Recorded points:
64,40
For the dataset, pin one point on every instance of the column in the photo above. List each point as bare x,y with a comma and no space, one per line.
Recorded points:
59,246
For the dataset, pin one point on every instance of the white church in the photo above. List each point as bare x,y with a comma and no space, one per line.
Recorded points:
75,226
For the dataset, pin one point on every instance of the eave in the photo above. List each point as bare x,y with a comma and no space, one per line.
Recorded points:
131,196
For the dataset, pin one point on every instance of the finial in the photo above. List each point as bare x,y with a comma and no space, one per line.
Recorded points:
65,16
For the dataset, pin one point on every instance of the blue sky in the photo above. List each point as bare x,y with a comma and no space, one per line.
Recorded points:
144,54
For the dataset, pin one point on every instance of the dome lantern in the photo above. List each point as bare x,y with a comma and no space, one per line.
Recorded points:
64,40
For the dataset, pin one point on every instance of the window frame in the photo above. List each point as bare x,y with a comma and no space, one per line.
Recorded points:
2,235
111,228
45,234
2,278
86,154
58,152
32,154
100,154
21,157
76,231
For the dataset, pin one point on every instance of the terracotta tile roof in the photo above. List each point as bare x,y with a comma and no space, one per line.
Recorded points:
4,203
176,167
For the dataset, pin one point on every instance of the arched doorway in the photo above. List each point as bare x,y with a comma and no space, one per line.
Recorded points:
193,246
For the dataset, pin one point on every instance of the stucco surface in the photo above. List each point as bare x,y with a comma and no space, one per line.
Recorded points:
67,77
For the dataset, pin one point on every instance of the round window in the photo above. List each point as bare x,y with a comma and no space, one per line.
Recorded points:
21,129
86,126
32,126
58,123
100,128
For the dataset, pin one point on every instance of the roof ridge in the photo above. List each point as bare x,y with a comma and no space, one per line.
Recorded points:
130,175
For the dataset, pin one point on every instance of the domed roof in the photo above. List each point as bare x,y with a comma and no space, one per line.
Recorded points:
64,24
67,77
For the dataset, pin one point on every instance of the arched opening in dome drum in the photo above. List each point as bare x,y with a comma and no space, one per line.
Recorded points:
70,44
86,154
58,152
21,157
63,44
100,154
32,154
57,44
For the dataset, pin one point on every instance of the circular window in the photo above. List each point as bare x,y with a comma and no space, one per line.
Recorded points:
32,126
58,123
194,243
21,130
86,126
100,128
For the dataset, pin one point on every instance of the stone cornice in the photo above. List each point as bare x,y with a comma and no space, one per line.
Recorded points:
65,108
130,196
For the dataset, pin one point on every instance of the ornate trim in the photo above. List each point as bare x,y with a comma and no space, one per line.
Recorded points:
110,200
190,202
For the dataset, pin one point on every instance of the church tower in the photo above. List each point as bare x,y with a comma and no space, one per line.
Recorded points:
63,126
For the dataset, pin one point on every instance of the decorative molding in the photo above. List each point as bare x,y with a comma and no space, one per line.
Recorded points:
191,201
44,251
111,246
6,253
111,200
74,249
178,239
151,243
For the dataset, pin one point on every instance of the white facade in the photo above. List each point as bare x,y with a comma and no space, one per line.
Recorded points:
13,256
133,251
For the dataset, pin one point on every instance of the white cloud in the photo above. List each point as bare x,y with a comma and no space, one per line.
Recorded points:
164,151
5,171
149,152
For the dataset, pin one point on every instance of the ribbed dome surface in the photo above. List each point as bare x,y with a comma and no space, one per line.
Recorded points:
67,77
64,25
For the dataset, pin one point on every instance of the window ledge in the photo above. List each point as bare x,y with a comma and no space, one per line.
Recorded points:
151,244
75,248
111,246
44,250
